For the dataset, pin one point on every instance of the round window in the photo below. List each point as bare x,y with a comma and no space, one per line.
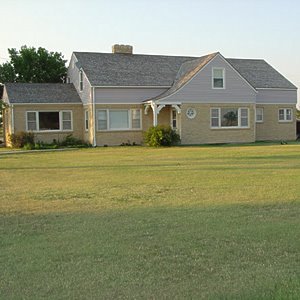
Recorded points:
191,113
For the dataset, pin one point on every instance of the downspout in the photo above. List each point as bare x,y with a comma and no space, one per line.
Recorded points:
12,120
94,118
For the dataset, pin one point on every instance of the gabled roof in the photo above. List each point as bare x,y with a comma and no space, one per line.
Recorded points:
185,73
37,93
260,74
108,69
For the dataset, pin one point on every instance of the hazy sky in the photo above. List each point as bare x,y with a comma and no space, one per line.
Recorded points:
237,28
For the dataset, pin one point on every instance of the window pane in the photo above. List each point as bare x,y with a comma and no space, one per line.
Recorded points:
281,114
289,114
31,116
136,118
86,120
49,120
102,120
215,113
218,82
67,125
259,114
229,117
118,119
66,116
31,121
218,73
215,122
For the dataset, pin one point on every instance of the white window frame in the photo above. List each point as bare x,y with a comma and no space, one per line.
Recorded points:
230,127
86,120
80,80
60,120
262,115
129,111
285,115
212,79
174,119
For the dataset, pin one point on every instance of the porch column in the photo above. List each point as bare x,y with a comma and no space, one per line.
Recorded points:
156,108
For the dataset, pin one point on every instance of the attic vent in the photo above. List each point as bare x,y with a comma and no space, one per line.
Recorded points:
123,49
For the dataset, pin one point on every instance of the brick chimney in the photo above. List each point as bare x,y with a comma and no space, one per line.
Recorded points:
122,49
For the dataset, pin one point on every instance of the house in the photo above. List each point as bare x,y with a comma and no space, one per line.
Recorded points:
111,98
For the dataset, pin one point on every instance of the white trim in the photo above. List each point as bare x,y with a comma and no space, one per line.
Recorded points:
123,103
223,78
261,103
282,89
132,87
48,103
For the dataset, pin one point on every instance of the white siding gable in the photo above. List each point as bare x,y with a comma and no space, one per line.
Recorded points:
199,89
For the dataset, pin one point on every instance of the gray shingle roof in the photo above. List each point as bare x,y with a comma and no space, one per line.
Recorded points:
260,74
41,93
107,69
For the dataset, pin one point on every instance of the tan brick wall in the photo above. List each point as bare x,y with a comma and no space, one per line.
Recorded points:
198,131
271,129
117,137
78,120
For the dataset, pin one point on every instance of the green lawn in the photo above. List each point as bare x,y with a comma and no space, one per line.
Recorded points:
140,223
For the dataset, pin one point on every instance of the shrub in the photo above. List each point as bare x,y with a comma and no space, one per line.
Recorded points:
22,138
161,135
71,141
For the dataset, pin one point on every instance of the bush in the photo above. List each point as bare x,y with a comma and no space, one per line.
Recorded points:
161,135
22,138
70,140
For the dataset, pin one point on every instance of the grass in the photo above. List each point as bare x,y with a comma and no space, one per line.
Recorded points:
126,223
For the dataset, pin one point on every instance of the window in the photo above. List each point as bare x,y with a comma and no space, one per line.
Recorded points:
49,120
218,81
136,118
229,117
191,113
86,120
81,80
259,115
66,120
31,121
285,115
118,119
102,119
174,119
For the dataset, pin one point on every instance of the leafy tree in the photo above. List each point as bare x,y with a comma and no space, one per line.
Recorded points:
33,65
298,114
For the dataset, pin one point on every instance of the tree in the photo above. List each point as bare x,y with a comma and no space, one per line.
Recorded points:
33,65
298,114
